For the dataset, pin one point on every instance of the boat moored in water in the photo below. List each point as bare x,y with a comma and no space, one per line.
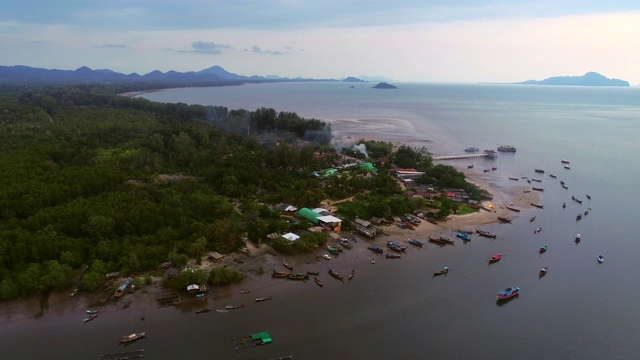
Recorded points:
232,307
542,272
203,310
416,242
506,148
577,238
132,337
508,293
335,274
495,258
600,259
463,236
444,271
91,317
376,249
486,234
318,281
543,248
393,256
261,299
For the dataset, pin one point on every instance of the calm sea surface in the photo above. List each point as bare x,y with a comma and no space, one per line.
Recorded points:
395,309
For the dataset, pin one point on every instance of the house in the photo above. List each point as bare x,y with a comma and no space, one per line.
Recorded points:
215,256
291,236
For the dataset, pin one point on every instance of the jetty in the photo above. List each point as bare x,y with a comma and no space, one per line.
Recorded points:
123,355
465,156
166,299
252,340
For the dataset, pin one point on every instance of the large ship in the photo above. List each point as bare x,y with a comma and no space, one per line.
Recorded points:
123,287
506,148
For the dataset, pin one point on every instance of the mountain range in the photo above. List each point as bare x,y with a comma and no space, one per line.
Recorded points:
24,74
588,79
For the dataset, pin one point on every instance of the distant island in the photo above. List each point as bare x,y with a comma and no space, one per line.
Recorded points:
384,85
588,79
353,79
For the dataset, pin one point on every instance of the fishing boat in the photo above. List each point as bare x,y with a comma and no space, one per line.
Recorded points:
203,310
286,264
577,238
416,242
373,261
351,274
463,236
512,208
393,256
261,299
91,311
508,293
600,259
470,166
90,317
447,241
74,292
543,248
279,274
553,176
326,257
132,337
564,205
537,230
472,149
536,180
486,234
494,168
495,258
532,219
444,271
513,178
318,258
542,272
313,272
395,246
506,148
564,161
588,196
504,219
539,206
232,307
344,242
375,248
578,217
318,281
298,276
567,167
335,274
537,188
540,171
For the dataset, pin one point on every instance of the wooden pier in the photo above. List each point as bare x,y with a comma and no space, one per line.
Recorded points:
252,340
124,355
464,156
167,299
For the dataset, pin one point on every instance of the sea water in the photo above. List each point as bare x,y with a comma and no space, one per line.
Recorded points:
395,309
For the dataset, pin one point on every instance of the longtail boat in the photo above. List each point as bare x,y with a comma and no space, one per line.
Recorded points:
444,271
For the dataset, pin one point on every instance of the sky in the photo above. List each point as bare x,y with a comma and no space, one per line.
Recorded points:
457,41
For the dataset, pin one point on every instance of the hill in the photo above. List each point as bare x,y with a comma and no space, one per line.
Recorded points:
588,79
384,85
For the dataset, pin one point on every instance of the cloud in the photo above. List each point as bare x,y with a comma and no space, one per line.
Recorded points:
207,47
113,46
257,50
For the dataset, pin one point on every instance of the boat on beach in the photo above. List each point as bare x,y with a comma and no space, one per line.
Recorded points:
393,256
396,246
443,271
286,264
437,241
539,206
91,311
313,272
376,249
495,258
132,337
508,293
504,219
506,148
203,310
279,274
298,276
74,292
537,230
318,281
416,242
122,288
537,188
326,257
512,208
353,271
345,243
463,235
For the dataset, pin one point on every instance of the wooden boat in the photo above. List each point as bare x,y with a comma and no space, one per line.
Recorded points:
335,274
279,274
416,242
318,258
553,176
287,265
326,257
578,217
588,196
537,230
543,248
532,219
232,307
318,281
494,168
351,274
495,258
345,243
567,167
444,271
298,276
577,240
486,170
91,317
375,248
203,310
508,293
122,288
470,166
537,189
437,241
539,206
447,241
576,199
463,236
74,292
513,178
132,337
540,171
536,180
600,259
564,161
313,272
504,219
512,208
261,299
542,272
564,205
91,311
586,212
395,246
486,234
393,256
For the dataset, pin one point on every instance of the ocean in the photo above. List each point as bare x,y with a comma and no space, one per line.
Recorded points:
395,309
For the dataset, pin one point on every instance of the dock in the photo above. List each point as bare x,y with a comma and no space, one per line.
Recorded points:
166,299
124,355
252,340
464,156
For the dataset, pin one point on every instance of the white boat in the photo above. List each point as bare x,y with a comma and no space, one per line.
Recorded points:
600,259
327,257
